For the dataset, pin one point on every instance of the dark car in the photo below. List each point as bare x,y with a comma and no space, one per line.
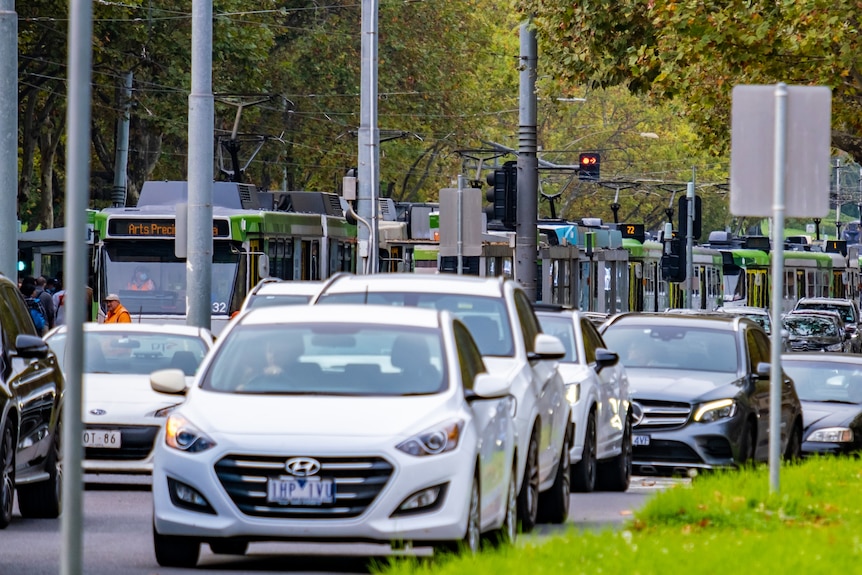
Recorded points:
846,307
816,331
31,388
830,387
700,391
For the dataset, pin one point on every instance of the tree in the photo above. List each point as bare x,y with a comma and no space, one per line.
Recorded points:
695,52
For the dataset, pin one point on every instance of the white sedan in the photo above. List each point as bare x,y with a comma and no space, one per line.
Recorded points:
122,414
597,388
336,423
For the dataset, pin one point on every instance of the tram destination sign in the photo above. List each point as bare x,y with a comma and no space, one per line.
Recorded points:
156,228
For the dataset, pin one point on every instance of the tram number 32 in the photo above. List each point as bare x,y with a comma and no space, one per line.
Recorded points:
219,307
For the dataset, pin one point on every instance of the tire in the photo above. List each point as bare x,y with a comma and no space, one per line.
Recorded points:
44,500
554,503
615,474
228,547
472,540
746,448
793,451
172,551
7,474
508,532
528,498
584,471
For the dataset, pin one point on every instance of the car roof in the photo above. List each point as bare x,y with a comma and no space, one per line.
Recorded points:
829,300
169,328
343,313
421,283
742,309
820,357
696,319
287,287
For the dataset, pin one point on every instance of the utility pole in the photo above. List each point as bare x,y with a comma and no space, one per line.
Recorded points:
526,244
9,139
368,169
121,157
689,243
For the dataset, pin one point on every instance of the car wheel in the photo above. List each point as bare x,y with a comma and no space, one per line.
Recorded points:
172,551
746,447
584,471
793,451
508,532
473,535
44,499
228,547
528,498
7,475
554,503
616,473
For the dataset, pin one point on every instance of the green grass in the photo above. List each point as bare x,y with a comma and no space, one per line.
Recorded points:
720,523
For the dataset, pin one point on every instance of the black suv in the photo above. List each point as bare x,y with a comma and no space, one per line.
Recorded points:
700,391
31,391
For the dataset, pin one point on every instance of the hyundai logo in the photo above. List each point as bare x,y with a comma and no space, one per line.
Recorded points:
302,466
637,413
98,411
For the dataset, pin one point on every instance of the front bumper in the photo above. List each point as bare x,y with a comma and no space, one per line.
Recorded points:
693,446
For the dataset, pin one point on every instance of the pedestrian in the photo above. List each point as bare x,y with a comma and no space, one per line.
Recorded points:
59,304
116,312
45,299
34,306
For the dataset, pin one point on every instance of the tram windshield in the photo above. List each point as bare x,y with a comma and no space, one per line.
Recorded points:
150,279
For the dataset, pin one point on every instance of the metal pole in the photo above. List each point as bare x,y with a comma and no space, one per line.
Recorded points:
689,244
460,223
75,276
8,139
776,379
837,198
200,210
526,244
121,158
369,140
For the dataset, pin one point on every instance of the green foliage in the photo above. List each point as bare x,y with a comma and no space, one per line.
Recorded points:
720,523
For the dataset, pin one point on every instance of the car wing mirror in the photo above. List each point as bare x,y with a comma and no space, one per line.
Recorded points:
605,358
489,386
172,381
547,346
764,370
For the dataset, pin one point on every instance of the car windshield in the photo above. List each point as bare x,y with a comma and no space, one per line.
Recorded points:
562,327
329,359
673,347
134,353
826,381
810,326
485,317
845,311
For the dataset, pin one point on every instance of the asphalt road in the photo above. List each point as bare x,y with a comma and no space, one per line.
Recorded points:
118,540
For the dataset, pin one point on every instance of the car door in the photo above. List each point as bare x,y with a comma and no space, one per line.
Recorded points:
789,399
550,392
32,382
757,351
491,417
609,430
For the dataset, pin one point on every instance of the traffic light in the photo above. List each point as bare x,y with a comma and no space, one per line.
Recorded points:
503,194
589,167
682,222
673,264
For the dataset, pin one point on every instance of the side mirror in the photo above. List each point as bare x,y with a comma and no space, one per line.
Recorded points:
547,346
263,265
171,381
30,346
605,358
764,370
489,386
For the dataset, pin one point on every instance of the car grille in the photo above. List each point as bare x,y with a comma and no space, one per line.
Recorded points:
358,481
807,346
663,451
136,443
653,415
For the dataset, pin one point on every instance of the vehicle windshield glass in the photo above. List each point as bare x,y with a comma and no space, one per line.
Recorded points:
485,317
150,279
825,381
810,327
134,353
562,327
329,359
845,311
674,347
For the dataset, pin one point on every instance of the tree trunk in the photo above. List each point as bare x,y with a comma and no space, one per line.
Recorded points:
49,138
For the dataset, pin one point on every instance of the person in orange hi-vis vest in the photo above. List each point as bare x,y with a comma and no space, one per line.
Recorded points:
116,312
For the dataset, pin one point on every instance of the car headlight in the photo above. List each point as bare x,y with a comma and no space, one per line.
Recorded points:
715,410
835,347
832,435
573,393
438,439
182,434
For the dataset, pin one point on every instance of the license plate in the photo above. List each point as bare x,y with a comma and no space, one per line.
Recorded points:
640,440
300,491
102,438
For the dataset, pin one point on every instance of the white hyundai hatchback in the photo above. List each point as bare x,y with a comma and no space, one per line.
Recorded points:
336,423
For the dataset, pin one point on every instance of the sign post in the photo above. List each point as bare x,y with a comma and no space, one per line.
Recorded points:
788,126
